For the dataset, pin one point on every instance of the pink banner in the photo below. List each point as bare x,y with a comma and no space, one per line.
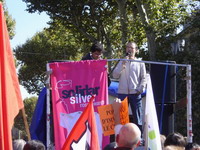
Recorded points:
73,84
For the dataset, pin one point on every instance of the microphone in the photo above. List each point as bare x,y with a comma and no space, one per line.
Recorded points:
128,54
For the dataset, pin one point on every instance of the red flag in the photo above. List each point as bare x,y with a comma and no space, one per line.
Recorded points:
10,96
84,133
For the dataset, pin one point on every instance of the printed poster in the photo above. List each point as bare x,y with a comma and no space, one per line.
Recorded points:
106,113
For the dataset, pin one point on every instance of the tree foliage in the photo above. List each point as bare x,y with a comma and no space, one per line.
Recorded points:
193,58
9,21
191,55
97,20
45,46
76,24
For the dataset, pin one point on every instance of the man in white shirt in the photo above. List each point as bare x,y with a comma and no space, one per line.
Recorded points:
132,81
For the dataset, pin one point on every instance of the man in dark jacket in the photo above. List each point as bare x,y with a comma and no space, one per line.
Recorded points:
96,51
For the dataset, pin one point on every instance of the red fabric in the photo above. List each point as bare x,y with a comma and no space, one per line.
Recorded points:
10,96
80,129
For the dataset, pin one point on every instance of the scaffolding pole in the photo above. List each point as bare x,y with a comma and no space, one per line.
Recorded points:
48,110
189,105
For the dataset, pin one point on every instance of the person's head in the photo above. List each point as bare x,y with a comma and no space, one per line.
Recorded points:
18,144
129,136
110,146
162,140
131,49
34,145
173,147
96,50
175,139
192,146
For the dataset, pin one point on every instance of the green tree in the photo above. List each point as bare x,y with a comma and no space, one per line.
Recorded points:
88,18
9,21
48,45
98,20
191,55
193,58
75,24
29,106
188,53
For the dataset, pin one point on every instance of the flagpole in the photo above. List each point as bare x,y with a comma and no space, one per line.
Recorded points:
26,123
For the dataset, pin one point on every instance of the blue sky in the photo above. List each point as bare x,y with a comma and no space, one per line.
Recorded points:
26,26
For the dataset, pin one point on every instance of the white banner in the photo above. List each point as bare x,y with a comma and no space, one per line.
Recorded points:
152,133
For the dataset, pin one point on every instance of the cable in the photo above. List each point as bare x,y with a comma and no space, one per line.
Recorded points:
163,98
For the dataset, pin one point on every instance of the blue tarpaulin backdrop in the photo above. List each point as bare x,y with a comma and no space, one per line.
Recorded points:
38,124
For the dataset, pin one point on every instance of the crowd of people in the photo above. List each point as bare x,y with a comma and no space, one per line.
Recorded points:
176,141
20,144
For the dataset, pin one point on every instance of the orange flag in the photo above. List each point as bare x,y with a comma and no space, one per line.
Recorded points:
84,133
10,96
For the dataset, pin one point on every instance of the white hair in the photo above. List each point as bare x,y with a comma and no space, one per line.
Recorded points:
18,144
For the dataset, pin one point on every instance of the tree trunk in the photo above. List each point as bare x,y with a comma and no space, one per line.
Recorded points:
149,30
151,44
123,19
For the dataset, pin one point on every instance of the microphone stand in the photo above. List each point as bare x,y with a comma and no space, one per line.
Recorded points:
114,67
